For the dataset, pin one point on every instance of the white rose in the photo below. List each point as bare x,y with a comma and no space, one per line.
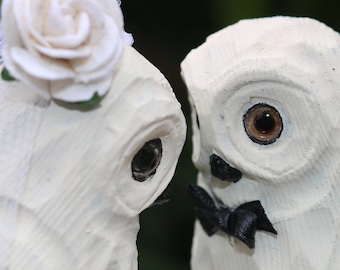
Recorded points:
65,49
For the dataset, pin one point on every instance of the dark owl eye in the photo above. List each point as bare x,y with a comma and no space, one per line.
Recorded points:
146,161
263,124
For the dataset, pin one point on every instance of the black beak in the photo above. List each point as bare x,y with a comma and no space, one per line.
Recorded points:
164,197
222,170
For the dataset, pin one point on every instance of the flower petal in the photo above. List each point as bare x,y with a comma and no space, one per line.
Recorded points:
112,9
104,55
75,40
9,23
65,53
42,68
29,16
92,9
69,91
40,86
55,23
20,13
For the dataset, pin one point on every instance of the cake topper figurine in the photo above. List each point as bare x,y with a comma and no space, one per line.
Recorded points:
265,99
75,174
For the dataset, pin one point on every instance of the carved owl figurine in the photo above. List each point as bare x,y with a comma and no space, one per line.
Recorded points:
74,180
265,97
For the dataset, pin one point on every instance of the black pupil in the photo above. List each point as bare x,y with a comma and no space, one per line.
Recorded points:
264,122
146,161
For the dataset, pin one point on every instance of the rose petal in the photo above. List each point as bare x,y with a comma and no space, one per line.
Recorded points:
75,40
42,68
21,11
55,23
9,23
113,10
69,91
40,86
64,53
92,9
31,23
104,54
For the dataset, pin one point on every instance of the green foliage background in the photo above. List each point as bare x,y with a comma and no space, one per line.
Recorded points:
165,31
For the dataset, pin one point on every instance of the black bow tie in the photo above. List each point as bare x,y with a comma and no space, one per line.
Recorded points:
241,222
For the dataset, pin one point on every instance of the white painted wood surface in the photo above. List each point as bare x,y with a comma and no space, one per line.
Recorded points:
67,197
292,64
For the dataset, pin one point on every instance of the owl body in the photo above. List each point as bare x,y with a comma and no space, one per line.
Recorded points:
86,174
266,95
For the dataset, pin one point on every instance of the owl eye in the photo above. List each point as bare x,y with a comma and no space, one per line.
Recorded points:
263,124
146,161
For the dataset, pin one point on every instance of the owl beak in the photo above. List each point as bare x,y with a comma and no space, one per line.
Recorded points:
164,197
223,171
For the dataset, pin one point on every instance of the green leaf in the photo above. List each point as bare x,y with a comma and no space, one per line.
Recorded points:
94,101
6,76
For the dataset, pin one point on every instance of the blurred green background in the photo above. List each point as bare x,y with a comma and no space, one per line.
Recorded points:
164,32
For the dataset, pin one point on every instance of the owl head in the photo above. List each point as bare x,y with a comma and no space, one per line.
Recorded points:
75,179
265,106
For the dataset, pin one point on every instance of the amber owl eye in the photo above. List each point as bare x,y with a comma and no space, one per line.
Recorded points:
263,124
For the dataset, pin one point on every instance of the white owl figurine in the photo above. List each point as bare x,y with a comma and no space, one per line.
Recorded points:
74,180
265,97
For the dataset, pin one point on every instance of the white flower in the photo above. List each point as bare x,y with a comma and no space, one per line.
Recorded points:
65,49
